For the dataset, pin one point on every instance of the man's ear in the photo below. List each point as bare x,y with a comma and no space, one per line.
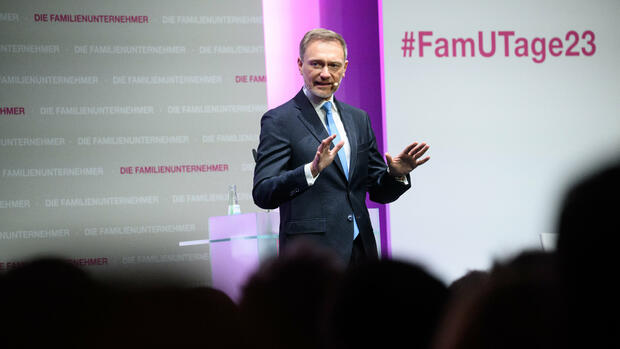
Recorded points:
299,65
346,64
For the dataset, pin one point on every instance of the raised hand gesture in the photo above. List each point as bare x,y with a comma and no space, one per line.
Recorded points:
324,156
407,160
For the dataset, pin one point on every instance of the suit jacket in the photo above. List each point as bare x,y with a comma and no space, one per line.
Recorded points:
323,212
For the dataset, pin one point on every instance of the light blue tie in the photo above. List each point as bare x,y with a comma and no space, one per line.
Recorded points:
331,126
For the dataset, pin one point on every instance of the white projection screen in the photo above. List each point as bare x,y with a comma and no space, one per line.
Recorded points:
510,127
122,124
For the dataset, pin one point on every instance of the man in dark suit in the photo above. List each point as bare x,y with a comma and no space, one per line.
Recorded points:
318,157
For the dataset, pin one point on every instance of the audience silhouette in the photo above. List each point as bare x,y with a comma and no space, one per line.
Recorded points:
588,237
47,302
385,304
305,298
519,305
468,283
283,302
50,302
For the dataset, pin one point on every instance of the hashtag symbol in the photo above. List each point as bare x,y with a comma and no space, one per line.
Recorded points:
408,41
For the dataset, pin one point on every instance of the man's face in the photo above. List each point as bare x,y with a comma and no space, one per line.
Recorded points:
323,65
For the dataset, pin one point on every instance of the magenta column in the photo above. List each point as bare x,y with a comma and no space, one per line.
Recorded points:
358,22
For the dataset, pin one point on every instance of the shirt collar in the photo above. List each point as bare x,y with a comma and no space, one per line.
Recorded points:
318,102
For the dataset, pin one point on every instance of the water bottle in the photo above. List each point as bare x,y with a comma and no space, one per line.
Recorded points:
233,200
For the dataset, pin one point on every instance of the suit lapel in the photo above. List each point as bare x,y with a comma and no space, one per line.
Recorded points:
309,118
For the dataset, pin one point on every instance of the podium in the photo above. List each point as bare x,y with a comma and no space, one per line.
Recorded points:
239,243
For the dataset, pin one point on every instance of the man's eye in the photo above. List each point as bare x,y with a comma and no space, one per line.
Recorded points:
334,66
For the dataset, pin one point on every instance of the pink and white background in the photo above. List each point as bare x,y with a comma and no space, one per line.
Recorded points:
118,140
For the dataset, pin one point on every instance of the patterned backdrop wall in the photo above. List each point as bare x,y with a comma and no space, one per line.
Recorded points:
122,124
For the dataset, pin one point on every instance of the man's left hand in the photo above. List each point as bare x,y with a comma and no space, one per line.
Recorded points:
407,160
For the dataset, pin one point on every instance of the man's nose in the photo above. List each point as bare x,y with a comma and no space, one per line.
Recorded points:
325,72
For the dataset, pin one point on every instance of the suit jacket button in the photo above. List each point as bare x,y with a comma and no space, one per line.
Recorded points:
350,218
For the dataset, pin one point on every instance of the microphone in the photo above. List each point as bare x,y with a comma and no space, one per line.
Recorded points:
335,84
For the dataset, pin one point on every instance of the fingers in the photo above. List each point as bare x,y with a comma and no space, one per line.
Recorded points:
419,150
423,161
388,159
408,148
329,139
406,161
325,143
337,148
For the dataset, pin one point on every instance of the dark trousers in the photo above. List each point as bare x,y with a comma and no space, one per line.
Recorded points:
358,256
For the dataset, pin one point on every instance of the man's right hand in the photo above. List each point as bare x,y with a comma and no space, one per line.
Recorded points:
324,156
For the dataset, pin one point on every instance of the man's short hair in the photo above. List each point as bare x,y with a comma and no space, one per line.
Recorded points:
321,34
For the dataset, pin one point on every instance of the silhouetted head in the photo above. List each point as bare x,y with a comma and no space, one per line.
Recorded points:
589,225
588,239
282,301
470,282
47,301
520,305
385,304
